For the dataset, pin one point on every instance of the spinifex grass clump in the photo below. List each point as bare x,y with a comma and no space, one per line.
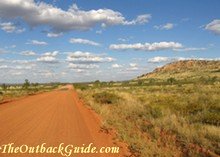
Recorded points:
106,98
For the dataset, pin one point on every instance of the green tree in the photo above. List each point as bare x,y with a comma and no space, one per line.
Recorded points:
97,81
140,82
26,84
171,80
4,87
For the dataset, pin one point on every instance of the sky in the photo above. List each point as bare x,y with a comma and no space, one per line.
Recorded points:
81,40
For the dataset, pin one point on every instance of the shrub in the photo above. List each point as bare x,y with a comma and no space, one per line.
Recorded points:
81,86
171,80
26,84
209,118
155,112
106,98
4,87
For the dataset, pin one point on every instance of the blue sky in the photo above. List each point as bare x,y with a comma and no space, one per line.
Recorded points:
74,41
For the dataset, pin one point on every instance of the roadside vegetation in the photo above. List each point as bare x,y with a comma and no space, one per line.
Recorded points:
11,91
162,116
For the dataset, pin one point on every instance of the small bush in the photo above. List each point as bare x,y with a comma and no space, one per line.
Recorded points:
106,98
81,86
209,118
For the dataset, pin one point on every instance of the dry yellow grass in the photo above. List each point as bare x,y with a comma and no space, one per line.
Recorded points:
162,120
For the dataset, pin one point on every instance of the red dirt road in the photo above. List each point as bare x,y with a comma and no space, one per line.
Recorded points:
53,118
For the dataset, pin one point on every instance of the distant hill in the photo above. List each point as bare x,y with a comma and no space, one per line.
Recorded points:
186,69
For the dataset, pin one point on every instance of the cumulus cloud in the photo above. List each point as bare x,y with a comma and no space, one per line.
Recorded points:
190,49
116,66
166,26
17,67
3,67
28,53
13,46
122,39
22,67
125,39
17,73
49,57
214,26
54,35
147,46
53,54
87,58
10,28
98,32
20,61
41,13
45,73
82,66
36,42
158,59
83,41
141,19
132,67
3,51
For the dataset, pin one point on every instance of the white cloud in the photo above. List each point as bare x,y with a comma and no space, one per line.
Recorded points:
41,13
17,73
16,67
133,65
54,35
166,26
82,66
36,42
214,26
147,46
79,70
53,54
28,53
98,32
87,58
116,66
83,41
3,66
195,58
20,30
10,28
122,39
3,51
141,19
13,46
20,61
190,49
49,57
45,73
158,59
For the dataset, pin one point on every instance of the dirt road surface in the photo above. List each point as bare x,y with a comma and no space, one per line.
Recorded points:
53,118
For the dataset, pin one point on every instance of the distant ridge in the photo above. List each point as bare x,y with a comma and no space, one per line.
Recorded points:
186,69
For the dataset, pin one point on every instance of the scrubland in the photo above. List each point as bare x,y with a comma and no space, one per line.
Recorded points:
12,91
160,117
